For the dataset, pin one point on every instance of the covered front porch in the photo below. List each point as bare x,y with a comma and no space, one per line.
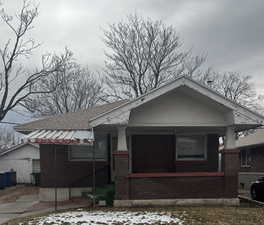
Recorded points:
168,146
175,165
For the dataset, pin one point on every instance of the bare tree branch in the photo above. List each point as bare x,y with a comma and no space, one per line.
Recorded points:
71,89
143,54
232,85
15,49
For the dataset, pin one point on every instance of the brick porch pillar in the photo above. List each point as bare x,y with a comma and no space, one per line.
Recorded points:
230,159
121,157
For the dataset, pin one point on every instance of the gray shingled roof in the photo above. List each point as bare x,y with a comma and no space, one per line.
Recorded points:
74,121
257,138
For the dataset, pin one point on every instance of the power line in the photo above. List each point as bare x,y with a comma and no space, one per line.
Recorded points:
20,113
11,123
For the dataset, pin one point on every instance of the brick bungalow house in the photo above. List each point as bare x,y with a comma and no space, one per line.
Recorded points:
159,149
251,158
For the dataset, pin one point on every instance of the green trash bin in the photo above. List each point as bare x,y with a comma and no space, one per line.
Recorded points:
13,178
36,179
2,185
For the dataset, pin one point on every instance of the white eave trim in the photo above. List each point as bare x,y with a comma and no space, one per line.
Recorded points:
17,147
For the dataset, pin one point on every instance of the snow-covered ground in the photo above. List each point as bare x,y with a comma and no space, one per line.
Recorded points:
100,217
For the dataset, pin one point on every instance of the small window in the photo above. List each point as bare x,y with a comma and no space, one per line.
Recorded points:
245,158
85,152
191,147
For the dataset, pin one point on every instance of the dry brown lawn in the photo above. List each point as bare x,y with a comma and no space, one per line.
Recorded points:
193,215
224,216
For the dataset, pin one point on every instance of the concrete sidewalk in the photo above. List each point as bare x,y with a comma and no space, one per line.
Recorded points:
12,210
21,201
29,205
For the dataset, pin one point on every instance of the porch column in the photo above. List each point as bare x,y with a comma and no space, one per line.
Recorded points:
230,167
121,156
121,139
230,138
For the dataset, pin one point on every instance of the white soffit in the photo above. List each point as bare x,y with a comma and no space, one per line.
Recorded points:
65,137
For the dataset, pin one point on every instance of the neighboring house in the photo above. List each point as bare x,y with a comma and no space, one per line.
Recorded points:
23,159
251,158
160,148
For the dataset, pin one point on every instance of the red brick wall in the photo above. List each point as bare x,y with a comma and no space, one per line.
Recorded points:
223,185
195,185
179,187
68,173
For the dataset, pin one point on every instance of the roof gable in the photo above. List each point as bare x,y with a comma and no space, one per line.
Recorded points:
119,112
120,115
17,147
176,108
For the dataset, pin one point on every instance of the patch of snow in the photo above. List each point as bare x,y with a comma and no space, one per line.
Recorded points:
108,217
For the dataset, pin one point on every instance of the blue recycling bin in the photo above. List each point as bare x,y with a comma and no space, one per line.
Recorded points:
2,186
7,179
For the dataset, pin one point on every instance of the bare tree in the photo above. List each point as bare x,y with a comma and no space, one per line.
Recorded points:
232,85
236,86
143,54
71,89
8,137
16,82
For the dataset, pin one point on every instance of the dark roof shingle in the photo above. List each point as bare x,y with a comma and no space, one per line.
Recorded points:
74,120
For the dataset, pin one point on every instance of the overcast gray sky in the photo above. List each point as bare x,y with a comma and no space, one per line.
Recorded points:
231,33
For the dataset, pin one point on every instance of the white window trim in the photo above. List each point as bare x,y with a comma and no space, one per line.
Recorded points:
248,164
191,159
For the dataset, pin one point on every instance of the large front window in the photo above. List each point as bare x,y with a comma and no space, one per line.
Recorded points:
191,147
85,152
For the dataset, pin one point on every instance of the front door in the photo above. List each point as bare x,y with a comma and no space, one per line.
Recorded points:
153,153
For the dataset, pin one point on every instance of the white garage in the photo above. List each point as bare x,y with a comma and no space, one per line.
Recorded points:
23,159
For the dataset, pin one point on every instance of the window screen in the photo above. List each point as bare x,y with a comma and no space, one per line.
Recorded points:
84,152
191,147
245,158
